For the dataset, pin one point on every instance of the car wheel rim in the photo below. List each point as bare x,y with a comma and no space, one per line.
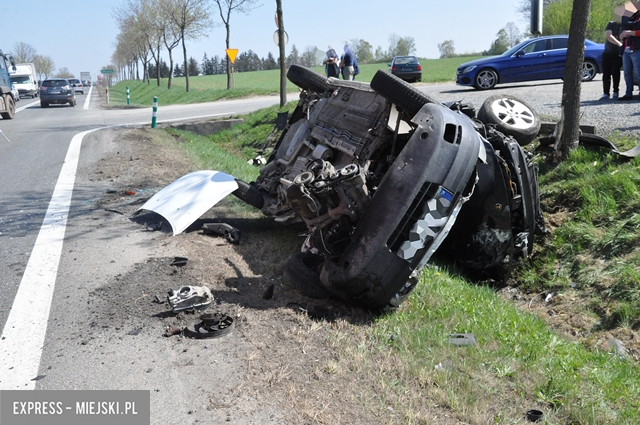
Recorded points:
513,113
486,79
587,70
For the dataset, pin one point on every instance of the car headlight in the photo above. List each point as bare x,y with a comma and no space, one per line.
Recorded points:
469,69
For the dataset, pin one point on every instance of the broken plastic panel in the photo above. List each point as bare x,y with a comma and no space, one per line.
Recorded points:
186,199
189,297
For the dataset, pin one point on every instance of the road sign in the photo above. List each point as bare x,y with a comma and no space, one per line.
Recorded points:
107,71
232,53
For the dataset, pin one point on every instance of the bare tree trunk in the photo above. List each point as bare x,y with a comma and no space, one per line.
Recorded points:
229,64
283,66
569,125
186,65
170,69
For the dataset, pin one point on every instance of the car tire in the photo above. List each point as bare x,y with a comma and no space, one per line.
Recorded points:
589,70
44,104
485,79
72,103
399,92
302,272
511,116
11,108
307,79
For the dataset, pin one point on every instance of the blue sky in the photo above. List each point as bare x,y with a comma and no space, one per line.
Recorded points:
80,35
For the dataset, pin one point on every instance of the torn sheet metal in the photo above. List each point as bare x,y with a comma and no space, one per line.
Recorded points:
189,297
185,200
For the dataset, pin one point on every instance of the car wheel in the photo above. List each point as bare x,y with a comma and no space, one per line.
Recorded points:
399,92
485,79
11,108
307,79
44,104
302,272
512,116
589,70
72,103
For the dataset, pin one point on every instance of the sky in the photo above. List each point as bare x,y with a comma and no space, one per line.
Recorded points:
80,35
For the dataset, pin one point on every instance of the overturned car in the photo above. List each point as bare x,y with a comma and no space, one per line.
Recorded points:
382,176
378,200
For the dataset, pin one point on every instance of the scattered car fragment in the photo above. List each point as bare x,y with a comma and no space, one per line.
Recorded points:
230,233
189,297
212,325
383,176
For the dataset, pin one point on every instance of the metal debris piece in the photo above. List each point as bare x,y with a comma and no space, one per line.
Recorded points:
462,339
549,297
210,326
230,233
179,261
188,297
114,211
173,330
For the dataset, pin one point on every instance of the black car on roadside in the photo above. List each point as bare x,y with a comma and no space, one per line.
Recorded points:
57,90
407,68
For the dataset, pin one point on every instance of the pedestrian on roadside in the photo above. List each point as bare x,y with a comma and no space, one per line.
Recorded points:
611,60
331,63
346,65
630,37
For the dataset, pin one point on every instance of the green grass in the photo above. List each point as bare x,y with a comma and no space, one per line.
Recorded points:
209,88
404,361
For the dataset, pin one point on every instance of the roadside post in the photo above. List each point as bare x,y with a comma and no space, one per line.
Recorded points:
128,96
106,90
155,111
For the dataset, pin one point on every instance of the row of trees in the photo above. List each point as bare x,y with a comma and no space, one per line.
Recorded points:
26,53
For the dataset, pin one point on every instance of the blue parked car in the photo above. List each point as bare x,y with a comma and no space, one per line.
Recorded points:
541,58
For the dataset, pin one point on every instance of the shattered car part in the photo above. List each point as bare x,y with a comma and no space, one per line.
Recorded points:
210,326
189,297
186,199
230,233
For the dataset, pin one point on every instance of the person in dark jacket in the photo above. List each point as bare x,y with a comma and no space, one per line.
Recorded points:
630,37
331,63
611,60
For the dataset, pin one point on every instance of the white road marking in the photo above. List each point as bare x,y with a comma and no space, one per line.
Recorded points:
27,105
23,336
86,101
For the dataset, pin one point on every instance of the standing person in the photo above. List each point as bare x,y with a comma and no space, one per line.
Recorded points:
331,63
611,60
630,37
347,63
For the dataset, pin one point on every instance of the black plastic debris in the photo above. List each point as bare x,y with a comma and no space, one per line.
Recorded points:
534,415
212,325
179,261
230,233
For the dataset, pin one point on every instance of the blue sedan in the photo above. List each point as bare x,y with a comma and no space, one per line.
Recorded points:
541,58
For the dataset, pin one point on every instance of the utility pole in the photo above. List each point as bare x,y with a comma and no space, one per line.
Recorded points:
283,65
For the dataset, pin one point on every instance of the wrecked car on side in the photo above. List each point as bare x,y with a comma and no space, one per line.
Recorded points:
383,175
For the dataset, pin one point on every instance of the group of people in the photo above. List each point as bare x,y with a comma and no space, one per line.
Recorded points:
621,51
346,65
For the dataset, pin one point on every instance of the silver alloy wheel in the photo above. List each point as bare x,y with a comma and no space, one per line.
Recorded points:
514,113
486,79
589,71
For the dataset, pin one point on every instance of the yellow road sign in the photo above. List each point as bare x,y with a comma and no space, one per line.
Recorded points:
232,53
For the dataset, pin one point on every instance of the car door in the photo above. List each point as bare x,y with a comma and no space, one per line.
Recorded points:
557,57
527,64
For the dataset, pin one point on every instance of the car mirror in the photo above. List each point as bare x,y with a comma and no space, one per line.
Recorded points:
520,53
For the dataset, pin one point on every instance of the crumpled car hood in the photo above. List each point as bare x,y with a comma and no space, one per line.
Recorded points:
186,199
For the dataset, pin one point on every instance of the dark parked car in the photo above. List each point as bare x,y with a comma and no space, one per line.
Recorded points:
541,58
57,90
407,68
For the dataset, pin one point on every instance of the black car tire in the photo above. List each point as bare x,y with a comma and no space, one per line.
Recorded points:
511,116
399,92
11,108
44,104
307,79
72,103
589,70
485,79
302,272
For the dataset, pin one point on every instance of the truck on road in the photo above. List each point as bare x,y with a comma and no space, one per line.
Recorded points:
25,79
85,76
7,104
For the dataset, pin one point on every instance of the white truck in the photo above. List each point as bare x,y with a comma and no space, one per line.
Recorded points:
86,76
25,79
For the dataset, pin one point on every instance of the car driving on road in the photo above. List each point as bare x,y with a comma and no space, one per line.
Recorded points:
57,91
540,58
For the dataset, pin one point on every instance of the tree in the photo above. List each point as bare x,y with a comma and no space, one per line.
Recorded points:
23,53
171,32
447,49
226,7
192,19
194,69
309,58
64,73
44,66
405,46
294,56
362,49
513,33
177,71
569,125
500,44
269,62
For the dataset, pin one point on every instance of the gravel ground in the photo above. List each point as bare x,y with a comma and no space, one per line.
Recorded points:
546,96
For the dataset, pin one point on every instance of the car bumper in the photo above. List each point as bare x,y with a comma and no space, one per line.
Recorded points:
409,75
464,80
56,98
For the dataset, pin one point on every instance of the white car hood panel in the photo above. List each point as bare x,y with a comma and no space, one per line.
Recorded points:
186,199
